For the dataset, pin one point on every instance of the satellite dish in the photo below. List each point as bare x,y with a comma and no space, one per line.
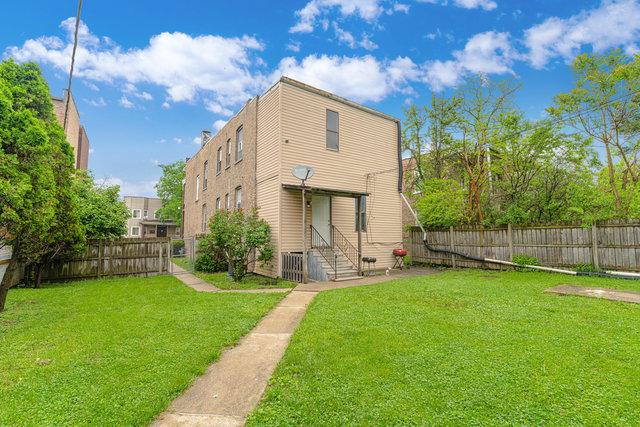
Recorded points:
302,172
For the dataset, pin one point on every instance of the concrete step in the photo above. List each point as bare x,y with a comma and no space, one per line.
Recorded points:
342,279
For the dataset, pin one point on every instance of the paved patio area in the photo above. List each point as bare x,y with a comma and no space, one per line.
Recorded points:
233,385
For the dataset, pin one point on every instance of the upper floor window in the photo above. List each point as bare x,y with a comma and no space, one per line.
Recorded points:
239,143
227,204
135,213
145,214
156,214
205,220
228,153
218,203
205,174
333,142
361,220
197,188
219,160
239,198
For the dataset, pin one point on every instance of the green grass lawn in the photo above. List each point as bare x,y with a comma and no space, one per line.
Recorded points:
462,347
222,280
112,352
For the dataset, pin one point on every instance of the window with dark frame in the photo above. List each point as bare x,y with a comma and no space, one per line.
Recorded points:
205,174
239,143
219,160
238,197
361,221
204,218
228,154
333,140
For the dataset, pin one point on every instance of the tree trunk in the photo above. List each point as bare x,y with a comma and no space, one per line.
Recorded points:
7,282
612,177
38,278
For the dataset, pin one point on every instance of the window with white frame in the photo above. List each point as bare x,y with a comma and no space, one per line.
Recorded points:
238,197
156,214
197,188
135,213
361,220
145,214
239,143
333,142
218,203
135,231
219,160
227,205
228,153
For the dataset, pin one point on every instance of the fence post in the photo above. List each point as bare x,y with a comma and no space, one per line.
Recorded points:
160,258
452,246
510,240
100,251
594,246
169,256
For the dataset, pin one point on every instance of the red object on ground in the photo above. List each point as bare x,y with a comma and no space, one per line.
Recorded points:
400,252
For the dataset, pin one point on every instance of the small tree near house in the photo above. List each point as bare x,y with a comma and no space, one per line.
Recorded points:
242,237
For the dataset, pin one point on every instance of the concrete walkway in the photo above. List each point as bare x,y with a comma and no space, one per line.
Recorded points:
585,291
232,386
199,285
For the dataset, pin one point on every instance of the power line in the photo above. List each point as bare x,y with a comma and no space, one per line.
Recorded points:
73,60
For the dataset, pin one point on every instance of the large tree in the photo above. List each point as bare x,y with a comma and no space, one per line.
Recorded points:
102,214
170,187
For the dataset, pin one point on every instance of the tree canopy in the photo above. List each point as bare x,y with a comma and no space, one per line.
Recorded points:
169,189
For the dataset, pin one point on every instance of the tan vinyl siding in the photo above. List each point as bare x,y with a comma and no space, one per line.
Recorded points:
268,169
367,161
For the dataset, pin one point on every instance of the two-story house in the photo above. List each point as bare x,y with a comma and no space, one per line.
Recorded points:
353,207
145,221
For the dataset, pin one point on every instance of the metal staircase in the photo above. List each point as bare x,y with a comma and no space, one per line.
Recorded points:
336,261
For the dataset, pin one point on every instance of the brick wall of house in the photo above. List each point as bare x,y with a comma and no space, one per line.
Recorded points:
237,174
76,136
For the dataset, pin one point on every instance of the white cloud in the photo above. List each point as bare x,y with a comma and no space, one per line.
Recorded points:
166,105
197,140
177,140
368,10
474,4
359,78
142,188
614,23
216,108
98,102
91,86
400,7
347,38
219,124
294,46
124,101
484,53
184,66
367,43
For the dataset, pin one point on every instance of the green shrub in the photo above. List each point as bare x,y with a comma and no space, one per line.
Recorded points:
525,260
209,259
407,260
587,268
177,247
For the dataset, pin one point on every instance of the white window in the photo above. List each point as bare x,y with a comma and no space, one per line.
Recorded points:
219,160
228,155
135,213
218,204
239,198
205,175
239,143
146,214
227,205
135,231
156,215
197,188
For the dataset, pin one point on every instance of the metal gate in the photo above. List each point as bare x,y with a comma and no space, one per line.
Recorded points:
183,254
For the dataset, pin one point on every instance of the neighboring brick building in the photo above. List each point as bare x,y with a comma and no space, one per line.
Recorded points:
144,220
75,132
222,173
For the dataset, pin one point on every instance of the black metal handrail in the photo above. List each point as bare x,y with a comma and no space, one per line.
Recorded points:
345,246
324,248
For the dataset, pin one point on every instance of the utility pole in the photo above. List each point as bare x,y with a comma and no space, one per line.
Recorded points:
73,60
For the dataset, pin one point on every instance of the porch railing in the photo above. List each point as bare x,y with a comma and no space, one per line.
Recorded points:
324,248
346,247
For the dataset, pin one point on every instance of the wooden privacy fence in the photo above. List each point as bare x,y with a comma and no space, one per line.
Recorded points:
5,257
122,257
611,245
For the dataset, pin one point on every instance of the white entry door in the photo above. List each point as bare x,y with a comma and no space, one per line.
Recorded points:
321,216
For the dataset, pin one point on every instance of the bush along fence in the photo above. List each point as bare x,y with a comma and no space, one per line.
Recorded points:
610,245
122,257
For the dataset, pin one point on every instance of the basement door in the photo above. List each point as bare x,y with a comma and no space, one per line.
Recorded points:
321,216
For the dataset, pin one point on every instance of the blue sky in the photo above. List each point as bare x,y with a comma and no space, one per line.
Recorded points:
150,75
